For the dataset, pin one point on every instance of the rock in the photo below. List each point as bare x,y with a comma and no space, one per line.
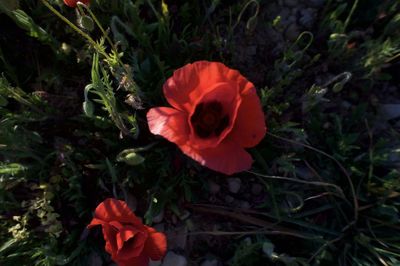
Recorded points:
213,187
234,184
159,227
284,12
346,104
229,199
256,189
316,3
292,32
213,262
159,217
177,238
390,111
393,89
155,263
131,201
244,204
174,219
173,259
94,259
307,17
290,3
304,172
251,50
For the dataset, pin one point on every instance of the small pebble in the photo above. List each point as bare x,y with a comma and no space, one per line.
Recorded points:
251,50
316,3
244,204
213,262
131,201
229,199
94,259
159,217
256,189
308,17
292,32
234,184
174,219
154,263
177,237
390,111
173,259
290,3
213,187
159,227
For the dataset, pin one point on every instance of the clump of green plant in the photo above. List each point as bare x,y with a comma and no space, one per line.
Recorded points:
328,165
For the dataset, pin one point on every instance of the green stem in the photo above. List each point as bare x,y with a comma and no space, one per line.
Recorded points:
346,23
105,34
75,28
80,5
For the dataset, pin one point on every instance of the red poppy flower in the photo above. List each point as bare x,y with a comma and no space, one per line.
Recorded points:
127,240
73,3
216,114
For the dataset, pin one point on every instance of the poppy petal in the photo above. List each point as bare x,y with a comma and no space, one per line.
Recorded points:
227,158
249,128
95,222
169,123
130,244
141,260
191,81
156,244
116,210
109,234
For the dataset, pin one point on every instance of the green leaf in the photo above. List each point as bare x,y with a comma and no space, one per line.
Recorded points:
8,244
11,169
268,248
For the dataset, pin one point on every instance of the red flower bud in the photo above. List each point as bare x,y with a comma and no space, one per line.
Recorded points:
73,3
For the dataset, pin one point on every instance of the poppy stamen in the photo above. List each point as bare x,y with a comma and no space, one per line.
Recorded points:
208,119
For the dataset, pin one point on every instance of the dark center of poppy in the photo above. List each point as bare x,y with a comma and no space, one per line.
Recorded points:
209,120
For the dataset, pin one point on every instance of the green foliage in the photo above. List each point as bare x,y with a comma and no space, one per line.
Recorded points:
73,131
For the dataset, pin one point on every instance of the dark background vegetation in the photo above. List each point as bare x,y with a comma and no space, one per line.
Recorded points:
325,185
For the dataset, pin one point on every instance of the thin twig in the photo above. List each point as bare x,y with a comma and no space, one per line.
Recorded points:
251,220
370,155
257,232
313,183
323,247
75,28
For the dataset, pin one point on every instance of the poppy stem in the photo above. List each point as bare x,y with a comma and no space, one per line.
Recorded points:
105,33
75,28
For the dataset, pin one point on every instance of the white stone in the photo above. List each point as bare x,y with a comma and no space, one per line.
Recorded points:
291,3
173,259
213,262
213,187
159,217
256,189
390,111
234,184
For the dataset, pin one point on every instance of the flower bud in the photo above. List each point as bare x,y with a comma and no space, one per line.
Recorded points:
86,22
130,157
88,108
